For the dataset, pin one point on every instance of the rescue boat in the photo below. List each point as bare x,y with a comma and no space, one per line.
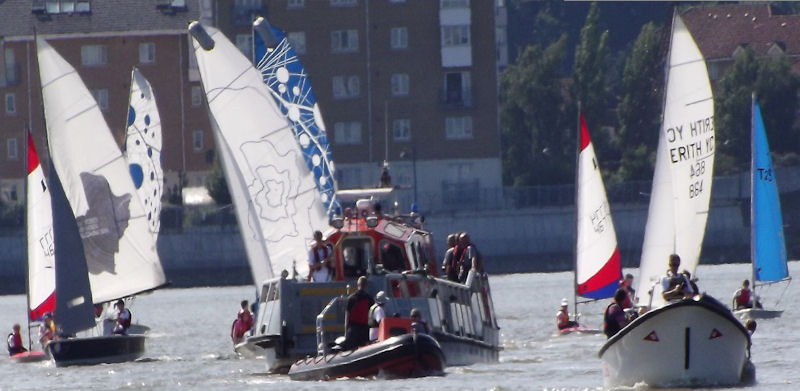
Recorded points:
398,353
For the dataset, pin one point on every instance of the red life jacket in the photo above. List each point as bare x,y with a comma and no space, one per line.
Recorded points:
743,300
325,251
360,310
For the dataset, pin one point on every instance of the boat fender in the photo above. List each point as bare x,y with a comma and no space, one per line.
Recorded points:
282,341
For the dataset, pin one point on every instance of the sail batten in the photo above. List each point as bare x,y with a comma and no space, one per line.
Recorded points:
684,167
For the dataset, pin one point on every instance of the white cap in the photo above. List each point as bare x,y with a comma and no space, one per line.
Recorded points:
564,302
381,298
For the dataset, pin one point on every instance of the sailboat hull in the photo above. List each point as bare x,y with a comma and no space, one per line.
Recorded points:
757,313
96,350
33,356
691,343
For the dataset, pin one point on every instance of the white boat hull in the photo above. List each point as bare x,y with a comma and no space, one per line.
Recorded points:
757,313
695,342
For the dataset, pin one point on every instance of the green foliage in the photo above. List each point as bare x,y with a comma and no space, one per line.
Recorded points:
217,185
776,88
639,107
590,84
12,215
535,119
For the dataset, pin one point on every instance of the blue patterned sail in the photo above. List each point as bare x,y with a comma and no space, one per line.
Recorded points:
282,72
767,246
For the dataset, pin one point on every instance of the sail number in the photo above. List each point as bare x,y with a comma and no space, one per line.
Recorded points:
695,188
697,169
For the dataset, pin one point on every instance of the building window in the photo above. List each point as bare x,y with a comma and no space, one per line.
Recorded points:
298,41
344,3
457,89
454,4
295,4
455,35
11,103
347,132
400,84
12,76
101,97
245,10
13,150
245,43
94,55
197,96
64,6
147,53
458,128
399,38
401,129
346,87
197,140
344,41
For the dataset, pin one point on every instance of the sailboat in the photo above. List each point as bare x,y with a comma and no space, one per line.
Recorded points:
597,262
41,277
103,248
695,341
767,243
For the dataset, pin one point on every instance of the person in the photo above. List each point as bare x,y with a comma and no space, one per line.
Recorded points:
47,330
674,284
355,317
417,324
750,325
469,257
743,297
448,254
614,317
692,281
15,341
386,179
243,323
392,258
376,314
562,316
627,285
123,318
319,266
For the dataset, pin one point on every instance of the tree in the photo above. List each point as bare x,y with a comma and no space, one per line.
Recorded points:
537,144
776,87
639,108
217,185
591,87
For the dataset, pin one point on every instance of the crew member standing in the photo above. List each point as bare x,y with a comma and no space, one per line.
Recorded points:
355,317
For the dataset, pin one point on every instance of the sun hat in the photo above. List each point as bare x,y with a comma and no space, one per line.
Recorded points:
564,302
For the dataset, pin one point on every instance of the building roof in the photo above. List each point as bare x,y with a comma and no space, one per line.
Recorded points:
18,19
719,30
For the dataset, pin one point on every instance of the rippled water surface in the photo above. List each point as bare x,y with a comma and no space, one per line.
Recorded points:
189,346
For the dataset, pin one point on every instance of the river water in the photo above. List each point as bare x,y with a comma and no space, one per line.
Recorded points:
189,346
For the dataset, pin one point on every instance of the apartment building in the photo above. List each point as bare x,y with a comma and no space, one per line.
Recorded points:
103,40
410,82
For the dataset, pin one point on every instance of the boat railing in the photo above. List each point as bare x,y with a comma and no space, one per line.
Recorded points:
335,306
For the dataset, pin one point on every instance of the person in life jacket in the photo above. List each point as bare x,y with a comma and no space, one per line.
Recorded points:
320,268
376,314
242,324
743,297
14,341
675,285
47,330
469,259
614,317
123,318
356,316
448,254
562,316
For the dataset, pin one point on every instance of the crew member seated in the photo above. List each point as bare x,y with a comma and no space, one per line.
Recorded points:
562,316
674,284
123,318
744,297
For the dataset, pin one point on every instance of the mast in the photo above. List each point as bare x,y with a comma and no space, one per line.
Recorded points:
577,205
752,187
25,252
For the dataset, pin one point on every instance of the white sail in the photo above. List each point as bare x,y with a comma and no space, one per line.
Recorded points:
41,254
274,194
143,148
681,191
120,250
